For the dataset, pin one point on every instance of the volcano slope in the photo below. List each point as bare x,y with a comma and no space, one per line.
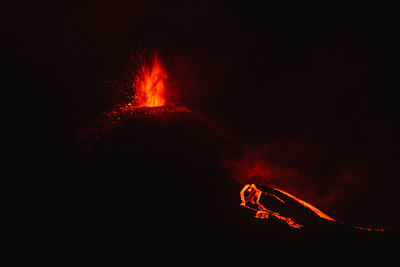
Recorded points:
153,186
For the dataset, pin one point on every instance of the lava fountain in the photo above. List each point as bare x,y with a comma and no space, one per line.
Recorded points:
147,96
150,84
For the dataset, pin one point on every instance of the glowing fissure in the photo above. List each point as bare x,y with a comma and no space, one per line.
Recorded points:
250,196
150,85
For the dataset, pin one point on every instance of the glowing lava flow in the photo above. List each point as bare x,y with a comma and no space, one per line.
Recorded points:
305,204
150,85
320,213
250,196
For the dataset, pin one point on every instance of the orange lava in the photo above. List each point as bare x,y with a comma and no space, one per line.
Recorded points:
150,84
305,204
250,196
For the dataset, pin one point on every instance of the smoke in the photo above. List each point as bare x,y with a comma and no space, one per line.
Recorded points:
255,167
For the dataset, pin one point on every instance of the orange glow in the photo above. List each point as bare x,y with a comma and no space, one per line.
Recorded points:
150,85
252,201
305,204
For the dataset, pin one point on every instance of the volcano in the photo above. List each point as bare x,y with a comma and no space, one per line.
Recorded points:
309,90
150,171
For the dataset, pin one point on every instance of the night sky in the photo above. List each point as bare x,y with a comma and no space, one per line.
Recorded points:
309,91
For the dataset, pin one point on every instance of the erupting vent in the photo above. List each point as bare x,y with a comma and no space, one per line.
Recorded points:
150,85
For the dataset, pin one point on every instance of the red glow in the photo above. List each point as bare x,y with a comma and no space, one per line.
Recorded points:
150,85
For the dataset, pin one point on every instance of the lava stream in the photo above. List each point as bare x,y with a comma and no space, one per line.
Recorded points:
250,196
305,204
252,201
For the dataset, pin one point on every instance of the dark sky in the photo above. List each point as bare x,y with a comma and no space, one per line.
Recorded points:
307,88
